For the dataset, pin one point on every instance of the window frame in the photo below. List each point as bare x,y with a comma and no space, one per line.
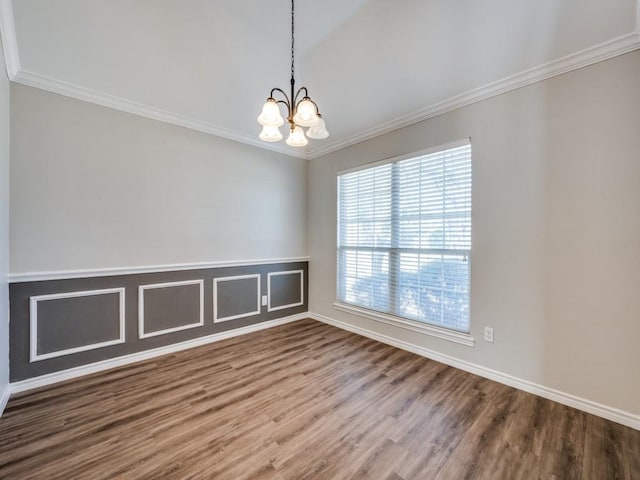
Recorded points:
444,333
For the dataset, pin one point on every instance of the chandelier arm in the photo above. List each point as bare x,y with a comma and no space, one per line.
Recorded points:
286,100
276,89
295,98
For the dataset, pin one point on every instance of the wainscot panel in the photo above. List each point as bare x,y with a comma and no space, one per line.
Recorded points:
60,324
286,289
169,307
236,297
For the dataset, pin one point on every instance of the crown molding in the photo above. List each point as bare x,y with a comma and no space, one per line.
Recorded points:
43,82
609,49
9,39
25,77
597,53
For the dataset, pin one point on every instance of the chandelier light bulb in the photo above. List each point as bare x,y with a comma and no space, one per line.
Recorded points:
297,138
270,133
319,130
306,114
270,116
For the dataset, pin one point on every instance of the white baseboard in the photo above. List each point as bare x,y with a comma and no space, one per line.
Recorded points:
4,398
619,416
51,378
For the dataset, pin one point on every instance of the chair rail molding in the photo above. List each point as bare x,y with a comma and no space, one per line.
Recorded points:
108,272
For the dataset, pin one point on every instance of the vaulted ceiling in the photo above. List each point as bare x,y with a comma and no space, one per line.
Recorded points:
372,65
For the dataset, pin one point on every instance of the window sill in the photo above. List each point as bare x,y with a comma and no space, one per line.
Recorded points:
438,332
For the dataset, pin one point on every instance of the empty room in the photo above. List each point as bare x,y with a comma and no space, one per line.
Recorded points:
320,239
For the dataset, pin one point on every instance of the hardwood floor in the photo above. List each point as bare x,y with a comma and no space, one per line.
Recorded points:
303,401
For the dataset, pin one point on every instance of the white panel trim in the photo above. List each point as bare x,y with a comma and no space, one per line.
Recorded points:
142,333
610,413
78,92
52,378
4,398
107,272
597,53
217,280
282,307
414,326
33,323
9,39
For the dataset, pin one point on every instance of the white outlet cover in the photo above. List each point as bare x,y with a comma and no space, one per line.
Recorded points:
488,334
264,300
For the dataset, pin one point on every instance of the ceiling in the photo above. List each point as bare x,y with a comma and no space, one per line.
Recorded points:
372,65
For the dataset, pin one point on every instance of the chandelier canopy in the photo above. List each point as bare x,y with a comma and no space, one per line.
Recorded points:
301,110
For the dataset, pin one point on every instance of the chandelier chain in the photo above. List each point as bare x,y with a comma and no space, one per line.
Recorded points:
292,39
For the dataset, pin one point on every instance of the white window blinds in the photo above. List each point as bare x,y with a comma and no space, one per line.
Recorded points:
404,238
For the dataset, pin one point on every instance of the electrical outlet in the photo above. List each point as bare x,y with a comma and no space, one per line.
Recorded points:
488,334
264,300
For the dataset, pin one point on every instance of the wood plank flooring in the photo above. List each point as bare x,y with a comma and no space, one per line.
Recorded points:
303,401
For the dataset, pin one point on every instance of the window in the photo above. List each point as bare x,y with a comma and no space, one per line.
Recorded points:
404,237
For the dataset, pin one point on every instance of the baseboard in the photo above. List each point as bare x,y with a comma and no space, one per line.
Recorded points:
609,413
619,416
51,378
4,398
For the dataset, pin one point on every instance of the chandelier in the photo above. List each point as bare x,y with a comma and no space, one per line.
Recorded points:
301,111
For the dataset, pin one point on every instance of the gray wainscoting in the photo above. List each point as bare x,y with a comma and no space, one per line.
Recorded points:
60,324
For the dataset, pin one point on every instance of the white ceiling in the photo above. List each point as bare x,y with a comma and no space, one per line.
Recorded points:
372,65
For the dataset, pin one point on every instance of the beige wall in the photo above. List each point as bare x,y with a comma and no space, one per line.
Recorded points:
4,224
93,187
556,214
556,230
